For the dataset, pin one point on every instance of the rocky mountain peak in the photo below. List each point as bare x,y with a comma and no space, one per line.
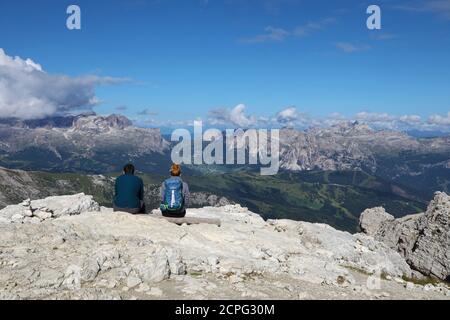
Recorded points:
353,127
118,121
99,124
344,128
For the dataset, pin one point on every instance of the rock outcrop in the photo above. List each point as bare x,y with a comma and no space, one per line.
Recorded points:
204,199
52,207
77,250
372,219
422,239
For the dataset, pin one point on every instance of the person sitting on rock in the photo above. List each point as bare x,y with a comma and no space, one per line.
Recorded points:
129,192
174,194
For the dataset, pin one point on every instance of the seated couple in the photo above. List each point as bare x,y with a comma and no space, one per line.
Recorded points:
129,193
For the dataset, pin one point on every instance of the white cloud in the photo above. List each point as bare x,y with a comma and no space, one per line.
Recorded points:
28,92
312,26
439,7
380,121
336,116
374,117
411,119
439,120
292,117
273,34
235,117
330,120
287,115
392,122
404,122
351,47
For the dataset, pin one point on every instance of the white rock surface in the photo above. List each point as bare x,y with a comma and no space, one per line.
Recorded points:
106,255
372,219
11,211
66,205
47,208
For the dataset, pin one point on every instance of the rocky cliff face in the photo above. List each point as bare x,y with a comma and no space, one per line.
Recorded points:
70,247
422,239
348,146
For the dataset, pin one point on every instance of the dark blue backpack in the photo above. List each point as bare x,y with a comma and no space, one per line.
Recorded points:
173,195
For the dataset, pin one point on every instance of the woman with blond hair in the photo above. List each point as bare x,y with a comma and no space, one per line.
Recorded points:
174,194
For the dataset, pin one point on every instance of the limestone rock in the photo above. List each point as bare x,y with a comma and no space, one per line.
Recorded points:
422,239
33,220
25,203
49,207
42,215
105,254
154,268
4,220
10,211
66,205
409,286
17,218
133,282
431,251
372,219
154,291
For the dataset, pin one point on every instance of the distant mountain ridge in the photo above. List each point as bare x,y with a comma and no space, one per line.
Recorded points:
345,146
61,121
94,144
90,144
349,145
421,163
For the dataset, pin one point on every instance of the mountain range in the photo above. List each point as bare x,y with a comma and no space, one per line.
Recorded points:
327,174
419,163
90,144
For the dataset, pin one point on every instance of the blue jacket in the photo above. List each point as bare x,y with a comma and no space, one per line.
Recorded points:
129,191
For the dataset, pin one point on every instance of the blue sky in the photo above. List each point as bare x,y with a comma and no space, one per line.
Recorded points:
292,60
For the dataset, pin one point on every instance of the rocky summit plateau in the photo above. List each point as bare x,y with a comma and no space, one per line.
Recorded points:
69,247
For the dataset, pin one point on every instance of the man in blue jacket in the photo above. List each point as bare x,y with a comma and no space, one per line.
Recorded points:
129,192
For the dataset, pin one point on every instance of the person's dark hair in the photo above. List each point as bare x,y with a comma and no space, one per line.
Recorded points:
128,169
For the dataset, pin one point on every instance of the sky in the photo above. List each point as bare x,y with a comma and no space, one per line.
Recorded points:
165,63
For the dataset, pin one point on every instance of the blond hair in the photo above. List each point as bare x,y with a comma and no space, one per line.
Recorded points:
175,170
